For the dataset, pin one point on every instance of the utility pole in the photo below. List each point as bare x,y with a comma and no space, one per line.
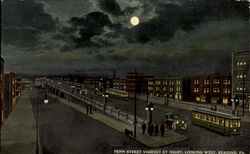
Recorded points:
147,90
135,101
243,94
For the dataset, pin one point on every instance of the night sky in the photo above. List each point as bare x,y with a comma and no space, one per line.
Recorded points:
173,37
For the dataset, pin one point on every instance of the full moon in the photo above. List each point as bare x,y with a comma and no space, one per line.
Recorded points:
134,20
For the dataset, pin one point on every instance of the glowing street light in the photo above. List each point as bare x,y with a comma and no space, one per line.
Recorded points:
149,108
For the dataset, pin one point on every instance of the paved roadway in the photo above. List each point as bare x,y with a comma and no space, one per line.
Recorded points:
198,137
63,130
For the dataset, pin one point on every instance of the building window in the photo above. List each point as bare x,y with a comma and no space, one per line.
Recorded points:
165,82
171,82
206,90
196,81
164,89
226,91
171,89
226,82
150,88
216,90
216,81
178,82
151,83
178,88
241,63
196,89
206,82
157,88
158,82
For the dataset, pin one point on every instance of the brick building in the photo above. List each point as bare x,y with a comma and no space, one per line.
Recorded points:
241,76
137,82
171,87
119,84
214,88
1,90
9,92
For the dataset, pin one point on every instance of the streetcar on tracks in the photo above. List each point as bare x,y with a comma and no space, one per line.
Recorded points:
121,94
226,124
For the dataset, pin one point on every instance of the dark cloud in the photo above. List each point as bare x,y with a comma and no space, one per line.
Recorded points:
24,21
188,16
91,25
110,6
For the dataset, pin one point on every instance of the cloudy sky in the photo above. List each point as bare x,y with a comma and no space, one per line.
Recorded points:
174,36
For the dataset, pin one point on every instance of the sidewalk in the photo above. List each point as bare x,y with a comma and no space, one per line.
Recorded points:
18,133
150,141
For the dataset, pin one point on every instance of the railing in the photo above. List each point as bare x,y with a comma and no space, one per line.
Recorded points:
186,105
109,111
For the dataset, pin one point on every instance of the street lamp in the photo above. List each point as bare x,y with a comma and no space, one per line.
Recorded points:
105,101
149,108
46,100
234,100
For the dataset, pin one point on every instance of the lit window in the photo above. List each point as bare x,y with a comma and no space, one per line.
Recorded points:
196,89
196,81
216,81
158,82
206,81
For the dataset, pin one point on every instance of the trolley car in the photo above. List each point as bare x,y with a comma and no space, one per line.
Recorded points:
223,123
117,93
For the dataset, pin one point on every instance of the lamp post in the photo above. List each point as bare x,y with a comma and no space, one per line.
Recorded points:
37,131
105,95
234,101
149,108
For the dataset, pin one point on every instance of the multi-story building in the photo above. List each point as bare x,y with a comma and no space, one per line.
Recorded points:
137,83
18,89
213,88
241,76
9,92
171,87
1,90
119,84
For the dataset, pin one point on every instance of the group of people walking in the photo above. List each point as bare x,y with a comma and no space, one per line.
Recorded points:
153,129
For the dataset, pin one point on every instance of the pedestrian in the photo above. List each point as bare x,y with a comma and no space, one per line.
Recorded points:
156,130
87,109
162,129
143,128
90,109
152,129
149,129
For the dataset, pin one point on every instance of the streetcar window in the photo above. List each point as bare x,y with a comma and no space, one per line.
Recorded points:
193,115
227,123
213,119
208,117
233,123
198,116
217,120
238,123
221,121
202,116
205,117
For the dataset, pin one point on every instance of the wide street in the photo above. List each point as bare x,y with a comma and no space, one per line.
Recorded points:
65,130
199,138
